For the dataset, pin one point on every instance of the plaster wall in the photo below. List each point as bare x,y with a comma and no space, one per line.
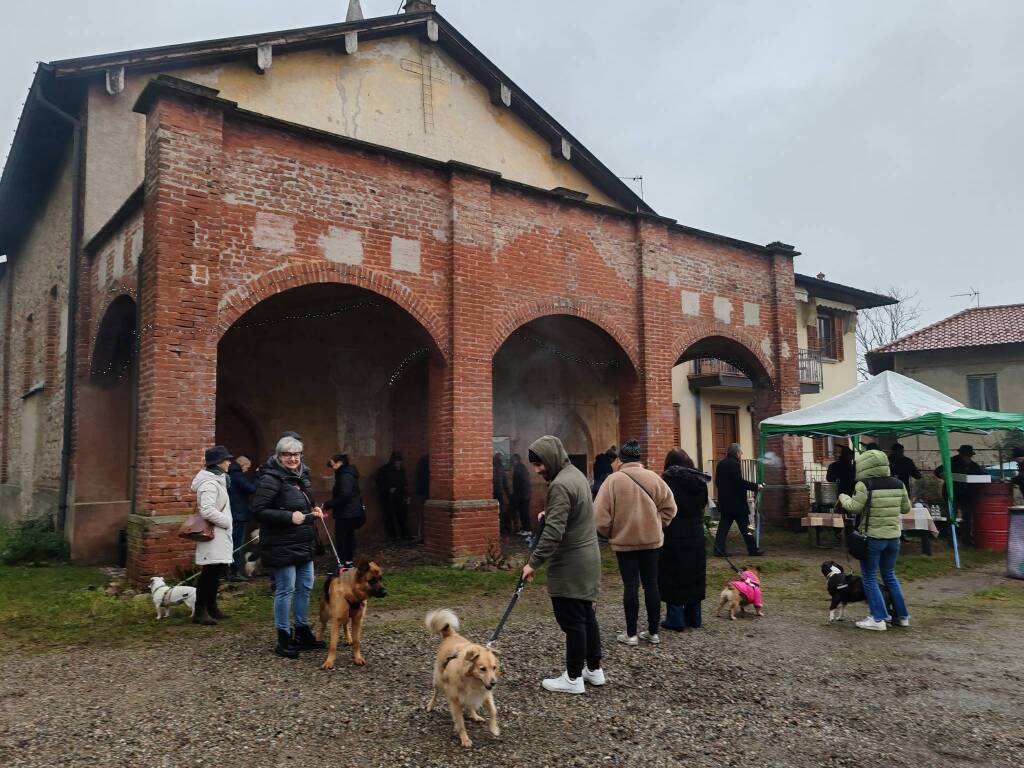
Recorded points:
376,95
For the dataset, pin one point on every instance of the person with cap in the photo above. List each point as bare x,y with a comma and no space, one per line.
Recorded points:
631,510
240,489
963,493
902,466
394,498
210,485
603,467
568,546
285,509
732,502
842,471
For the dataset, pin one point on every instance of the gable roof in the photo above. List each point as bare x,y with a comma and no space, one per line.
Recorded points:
846,294
64,81
976,327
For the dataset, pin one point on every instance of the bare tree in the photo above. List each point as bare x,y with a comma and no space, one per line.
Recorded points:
882,325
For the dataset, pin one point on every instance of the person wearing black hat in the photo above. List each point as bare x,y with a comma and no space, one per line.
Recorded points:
394,497
902,466
842,471
210,485
963,493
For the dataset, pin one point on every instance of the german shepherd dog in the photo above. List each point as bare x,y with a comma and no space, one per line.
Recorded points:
464,673
343,604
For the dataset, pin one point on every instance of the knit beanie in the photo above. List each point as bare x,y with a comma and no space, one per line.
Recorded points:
630,451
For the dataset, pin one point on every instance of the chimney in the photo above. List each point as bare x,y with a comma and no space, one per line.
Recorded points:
418,6
821,275
355,11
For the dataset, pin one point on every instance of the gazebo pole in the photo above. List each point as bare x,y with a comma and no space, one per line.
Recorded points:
947,473
762,445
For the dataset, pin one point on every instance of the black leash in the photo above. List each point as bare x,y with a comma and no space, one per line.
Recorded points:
520,585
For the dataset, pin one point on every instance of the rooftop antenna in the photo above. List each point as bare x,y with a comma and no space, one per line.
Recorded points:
636,178
974,295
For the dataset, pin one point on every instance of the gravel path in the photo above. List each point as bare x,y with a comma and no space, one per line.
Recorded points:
783,690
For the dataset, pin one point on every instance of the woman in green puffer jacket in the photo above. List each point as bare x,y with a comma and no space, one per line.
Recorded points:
888,501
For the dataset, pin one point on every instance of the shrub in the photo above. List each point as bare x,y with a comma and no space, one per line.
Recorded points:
34,540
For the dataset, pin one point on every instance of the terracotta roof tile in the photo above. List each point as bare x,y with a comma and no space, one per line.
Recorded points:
977,327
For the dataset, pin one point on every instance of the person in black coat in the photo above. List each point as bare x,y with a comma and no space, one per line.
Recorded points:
902,466
346,507
522,490
682,565
732,501
500,492
843,471
240,488
603,468
963,493
284,507
394,497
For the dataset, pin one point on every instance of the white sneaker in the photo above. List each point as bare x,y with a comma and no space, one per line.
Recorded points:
564,684
595,677
870,623
652,639
903,622
627,639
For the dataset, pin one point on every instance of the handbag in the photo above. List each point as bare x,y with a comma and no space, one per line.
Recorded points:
196,528
857,542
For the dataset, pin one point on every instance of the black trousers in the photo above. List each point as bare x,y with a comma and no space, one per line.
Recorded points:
742,520
345,539
395,517
577,620
521,509
207,585
640,566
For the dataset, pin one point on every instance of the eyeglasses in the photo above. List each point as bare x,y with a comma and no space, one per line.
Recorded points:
288,455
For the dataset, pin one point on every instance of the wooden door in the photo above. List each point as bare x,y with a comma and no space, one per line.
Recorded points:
724,430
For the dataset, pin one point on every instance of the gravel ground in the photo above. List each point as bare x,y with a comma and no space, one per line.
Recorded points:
783,690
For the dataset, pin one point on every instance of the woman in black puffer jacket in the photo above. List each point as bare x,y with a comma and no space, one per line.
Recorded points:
682,566
346,507
284,506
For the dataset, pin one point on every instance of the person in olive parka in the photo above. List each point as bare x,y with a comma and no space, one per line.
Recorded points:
569,548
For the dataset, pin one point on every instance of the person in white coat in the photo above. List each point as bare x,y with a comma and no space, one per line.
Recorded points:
211,488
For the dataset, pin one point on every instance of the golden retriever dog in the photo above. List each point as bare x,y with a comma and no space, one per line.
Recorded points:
465,673
740,592
343,604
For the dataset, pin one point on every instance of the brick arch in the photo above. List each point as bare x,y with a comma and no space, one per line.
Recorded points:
252,293
527,312
737,340
98,327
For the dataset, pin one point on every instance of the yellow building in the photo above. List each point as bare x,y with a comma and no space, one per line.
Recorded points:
715,397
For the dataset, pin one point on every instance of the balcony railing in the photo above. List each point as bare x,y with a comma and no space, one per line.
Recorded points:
704,366
810,367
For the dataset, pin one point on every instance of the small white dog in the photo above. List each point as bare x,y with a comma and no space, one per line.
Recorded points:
251,565
164,597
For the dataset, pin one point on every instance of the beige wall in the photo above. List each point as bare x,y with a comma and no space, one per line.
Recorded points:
371,96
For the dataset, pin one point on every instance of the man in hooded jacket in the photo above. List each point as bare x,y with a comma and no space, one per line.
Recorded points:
568,545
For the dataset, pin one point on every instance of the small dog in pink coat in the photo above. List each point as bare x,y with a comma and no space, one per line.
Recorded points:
741,592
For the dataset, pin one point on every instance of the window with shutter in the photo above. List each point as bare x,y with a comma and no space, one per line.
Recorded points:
827,336
983,392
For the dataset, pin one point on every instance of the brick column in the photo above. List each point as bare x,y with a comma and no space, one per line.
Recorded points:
654,303
178,301
462,518
785,494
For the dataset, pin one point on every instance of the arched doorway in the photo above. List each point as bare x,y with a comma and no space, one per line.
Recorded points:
105,446
340,365
564,376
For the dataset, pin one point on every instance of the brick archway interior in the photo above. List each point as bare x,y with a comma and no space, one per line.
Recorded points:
565,376
344,367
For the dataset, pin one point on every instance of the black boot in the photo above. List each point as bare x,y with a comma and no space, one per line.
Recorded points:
201,616
304,639
285,647
217,613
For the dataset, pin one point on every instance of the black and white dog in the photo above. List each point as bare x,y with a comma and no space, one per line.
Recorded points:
846,589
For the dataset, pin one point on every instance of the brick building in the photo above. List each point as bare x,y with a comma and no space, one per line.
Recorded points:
365,232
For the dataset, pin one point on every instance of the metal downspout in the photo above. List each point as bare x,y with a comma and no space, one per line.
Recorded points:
69,352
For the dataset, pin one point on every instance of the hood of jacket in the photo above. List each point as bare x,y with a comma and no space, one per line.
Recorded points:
204,474
348,469
549,449
872,464
686,478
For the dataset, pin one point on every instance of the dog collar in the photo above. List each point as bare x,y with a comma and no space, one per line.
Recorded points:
449,659
354,606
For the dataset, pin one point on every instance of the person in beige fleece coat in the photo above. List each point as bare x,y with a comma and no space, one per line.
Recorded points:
632,509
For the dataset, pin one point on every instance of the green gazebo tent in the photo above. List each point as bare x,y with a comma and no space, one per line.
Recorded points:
893,405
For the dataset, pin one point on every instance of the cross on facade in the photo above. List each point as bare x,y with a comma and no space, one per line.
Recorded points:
427,74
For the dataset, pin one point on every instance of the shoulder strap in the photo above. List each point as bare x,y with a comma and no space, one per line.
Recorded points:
649,496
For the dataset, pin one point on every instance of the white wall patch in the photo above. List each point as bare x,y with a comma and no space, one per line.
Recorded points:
405,254
722,309
766,347
691,303
200,274
784,350
136,247
751,313
274,233
342,246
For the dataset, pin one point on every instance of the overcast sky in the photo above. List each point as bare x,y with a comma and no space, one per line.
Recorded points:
882,137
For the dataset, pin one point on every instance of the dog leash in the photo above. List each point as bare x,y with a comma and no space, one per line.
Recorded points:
520,585
333,548
183,582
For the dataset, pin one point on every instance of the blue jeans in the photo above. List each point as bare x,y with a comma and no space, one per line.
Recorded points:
292,584
682,616
882,554
238,539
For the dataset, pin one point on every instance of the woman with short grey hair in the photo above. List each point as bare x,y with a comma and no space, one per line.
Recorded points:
284,506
